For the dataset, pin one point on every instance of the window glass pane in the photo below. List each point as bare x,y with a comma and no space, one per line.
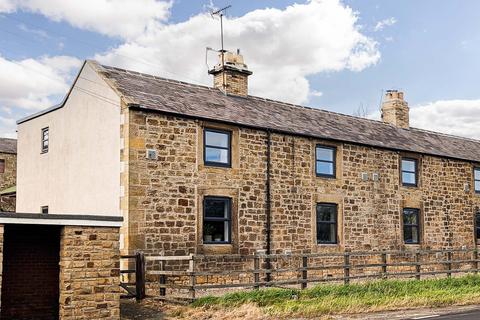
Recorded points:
477,216
216,208
216,155
477,174
326,213
2,166
477,185
478,233
325,154
216,139
410,217
408,165
215,231
324,168
410,234
408,177
326,232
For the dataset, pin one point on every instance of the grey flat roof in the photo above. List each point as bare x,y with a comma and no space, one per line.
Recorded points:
60,219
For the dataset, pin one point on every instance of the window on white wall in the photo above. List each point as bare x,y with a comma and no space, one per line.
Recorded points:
45,139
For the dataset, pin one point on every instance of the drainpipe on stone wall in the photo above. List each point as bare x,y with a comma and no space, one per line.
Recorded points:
269,205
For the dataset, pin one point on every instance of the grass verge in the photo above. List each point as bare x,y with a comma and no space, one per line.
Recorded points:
354,298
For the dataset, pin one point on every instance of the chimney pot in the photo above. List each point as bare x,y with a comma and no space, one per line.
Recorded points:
231,77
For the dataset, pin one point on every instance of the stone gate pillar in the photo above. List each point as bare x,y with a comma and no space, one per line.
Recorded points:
89,273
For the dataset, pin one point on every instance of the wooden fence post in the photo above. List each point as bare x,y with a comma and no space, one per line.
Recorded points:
304,272
384,265
191,269
475,257
449,264
418,265
139,276
163,280
346,268
256,271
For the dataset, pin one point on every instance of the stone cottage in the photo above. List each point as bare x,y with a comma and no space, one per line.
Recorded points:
8,173
196,169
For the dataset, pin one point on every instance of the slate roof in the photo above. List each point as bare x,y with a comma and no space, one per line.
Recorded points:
180,98
8,145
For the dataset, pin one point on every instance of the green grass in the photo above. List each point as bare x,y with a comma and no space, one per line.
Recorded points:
354,298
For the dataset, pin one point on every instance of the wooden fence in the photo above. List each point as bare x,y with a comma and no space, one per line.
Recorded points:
133,276
187,277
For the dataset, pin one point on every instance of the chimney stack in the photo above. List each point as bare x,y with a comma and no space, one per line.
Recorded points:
395,109
231,74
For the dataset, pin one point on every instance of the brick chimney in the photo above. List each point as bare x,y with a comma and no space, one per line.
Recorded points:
231,77
395,109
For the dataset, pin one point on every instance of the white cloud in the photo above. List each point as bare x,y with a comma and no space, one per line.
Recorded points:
384,23
281,47
316,93
31,84
7,127
457,117
122,18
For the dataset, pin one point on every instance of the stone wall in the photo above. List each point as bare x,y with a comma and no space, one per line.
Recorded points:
165,195
8,178
89,273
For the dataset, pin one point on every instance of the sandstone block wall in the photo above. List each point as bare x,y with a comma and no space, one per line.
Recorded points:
165,195
8,178
89,273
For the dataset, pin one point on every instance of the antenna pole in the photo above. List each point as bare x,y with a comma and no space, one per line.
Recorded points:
220,13
224,85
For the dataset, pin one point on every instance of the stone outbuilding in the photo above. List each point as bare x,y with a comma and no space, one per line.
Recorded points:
59,267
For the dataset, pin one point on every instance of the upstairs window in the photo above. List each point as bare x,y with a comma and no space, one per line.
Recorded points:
325,161
411,226
44,209
45,140
217,148
2,166
476,179
327,223
409,172
217,222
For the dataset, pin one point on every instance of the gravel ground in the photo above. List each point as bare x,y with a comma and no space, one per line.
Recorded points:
130,310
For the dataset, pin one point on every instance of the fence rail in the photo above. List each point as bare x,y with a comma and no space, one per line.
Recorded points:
194,274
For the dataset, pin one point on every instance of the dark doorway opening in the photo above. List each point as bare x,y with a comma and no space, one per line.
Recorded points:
30,286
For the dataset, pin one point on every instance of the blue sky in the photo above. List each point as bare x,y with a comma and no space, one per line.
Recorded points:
427,48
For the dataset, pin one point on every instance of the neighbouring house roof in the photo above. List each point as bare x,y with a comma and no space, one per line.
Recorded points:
180,98
9,191
8,145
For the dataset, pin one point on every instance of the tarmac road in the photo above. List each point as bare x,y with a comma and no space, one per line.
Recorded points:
468,315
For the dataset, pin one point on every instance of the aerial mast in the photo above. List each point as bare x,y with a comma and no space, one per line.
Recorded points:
221,13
